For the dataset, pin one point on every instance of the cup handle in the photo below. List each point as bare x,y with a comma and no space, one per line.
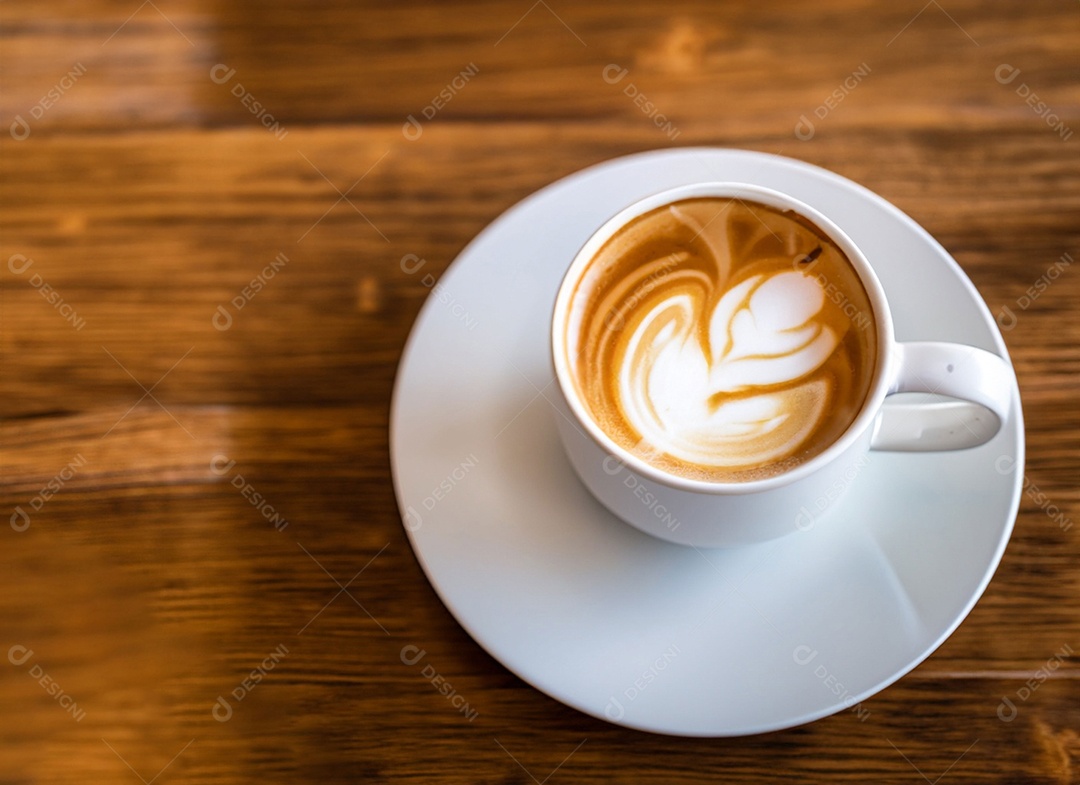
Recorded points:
980,379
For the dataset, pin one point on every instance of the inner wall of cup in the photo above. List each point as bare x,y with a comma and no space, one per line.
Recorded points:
882,318
568,315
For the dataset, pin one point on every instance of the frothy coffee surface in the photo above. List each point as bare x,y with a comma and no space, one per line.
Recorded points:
721,339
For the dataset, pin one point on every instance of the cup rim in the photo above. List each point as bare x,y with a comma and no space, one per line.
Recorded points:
879,384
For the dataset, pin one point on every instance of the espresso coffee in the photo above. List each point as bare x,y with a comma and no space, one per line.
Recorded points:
721,339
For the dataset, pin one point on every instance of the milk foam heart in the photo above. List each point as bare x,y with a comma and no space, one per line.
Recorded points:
762,333
721,339
765,331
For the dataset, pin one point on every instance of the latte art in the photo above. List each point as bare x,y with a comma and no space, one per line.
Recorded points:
721,339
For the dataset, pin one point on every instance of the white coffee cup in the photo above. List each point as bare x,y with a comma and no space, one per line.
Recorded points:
706,513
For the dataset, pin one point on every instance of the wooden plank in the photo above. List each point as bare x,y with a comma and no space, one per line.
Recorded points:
144,237
323,480
701,65
174,614
145,195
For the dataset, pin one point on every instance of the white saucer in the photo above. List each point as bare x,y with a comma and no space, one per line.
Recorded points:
647,634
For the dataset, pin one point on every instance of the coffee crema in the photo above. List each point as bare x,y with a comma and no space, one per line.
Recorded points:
721,339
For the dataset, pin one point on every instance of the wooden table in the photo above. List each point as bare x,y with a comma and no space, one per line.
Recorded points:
196,465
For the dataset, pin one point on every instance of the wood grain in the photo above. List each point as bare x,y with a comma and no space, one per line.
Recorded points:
147,195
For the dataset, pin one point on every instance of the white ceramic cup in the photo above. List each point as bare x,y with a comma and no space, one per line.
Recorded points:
705,513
